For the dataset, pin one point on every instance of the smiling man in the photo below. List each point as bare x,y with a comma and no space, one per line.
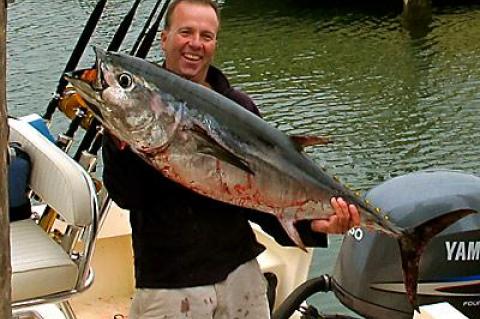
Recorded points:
195,257
190,38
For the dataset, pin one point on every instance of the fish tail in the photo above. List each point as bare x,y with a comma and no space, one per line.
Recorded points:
289,227
410,253
413,243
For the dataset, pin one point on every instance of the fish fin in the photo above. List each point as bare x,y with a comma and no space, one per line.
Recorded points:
209,146
121,145
410,251
302,141
413,243
292,232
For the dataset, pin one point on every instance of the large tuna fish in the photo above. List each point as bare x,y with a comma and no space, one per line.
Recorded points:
213,146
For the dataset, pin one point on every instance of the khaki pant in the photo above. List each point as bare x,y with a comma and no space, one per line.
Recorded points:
241,295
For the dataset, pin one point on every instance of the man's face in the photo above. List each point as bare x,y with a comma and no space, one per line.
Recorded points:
189,43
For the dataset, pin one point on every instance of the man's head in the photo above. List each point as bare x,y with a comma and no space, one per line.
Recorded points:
189,38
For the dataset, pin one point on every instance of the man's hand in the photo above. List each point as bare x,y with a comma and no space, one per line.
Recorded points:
346,216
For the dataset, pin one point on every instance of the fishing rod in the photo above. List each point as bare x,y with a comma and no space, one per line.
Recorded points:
123,28
65,140
88,158
142,52
145,27
89,136
150,36
75,57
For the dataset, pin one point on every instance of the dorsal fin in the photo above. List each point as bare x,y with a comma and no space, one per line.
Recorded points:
302,141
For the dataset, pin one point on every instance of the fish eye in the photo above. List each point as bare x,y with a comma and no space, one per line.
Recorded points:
125,80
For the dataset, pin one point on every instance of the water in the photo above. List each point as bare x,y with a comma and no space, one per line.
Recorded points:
393,99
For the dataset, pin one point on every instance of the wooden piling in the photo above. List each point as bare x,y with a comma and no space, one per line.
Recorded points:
417,17
5,266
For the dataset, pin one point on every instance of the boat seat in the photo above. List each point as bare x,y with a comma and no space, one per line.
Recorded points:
40,266
52,267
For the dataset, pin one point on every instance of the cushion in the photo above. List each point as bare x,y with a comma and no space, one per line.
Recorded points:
39,265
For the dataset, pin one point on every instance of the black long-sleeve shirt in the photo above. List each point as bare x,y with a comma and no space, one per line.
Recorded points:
181,238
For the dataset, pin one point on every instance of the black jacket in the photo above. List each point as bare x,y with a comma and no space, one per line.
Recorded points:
180,238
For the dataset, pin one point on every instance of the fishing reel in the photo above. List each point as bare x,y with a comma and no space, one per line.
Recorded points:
72,105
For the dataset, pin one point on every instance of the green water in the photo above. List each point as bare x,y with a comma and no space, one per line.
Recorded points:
394,99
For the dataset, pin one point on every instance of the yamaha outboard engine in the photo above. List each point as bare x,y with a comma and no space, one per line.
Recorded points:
368,275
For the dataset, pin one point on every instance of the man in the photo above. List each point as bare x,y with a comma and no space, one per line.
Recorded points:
196,257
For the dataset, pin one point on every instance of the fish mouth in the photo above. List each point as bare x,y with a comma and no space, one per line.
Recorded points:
90,83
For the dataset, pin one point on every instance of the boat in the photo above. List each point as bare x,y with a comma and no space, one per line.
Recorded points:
106,275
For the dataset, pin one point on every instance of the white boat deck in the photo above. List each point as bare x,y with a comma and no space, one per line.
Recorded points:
112,288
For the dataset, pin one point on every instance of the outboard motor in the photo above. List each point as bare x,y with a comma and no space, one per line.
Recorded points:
368,275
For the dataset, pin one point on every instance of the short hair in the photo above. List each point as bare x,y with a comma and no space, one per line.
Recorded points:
175,3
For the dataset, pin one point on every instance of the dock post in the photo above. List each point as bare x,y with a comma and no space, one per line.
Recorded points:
5,266
417,16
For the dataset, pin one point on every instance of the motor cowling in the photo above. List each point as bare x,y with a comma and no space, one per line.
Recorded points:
368,275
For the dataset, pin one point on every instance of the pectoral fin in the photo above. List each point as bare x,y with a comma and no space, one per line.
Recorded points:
292,232
302,141
207,145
